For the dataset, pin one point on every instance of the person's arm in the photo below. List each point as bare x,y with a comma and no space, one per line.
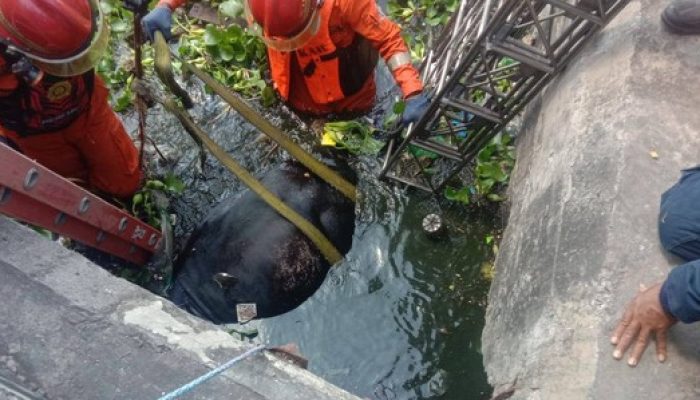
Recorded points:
680,293
365,18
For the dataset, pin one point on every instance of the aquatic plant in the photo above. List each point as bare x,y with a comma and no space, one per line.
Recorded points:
228,52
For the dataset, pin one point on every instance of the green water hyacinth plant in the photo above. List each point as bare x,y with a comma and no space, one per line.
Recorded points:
352,136
230,53
492,169
148,205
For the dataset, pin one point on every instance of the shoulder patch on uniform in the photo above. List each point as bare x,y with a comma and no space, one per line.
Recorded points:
59,91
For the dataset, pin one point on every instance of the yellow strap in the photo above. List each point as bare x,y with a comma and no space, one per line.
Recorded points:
324,245
164,70
319,239
315,166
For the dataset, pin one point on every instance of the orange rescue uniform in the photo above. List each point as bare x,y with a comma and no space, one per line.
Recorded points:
67,125
333,72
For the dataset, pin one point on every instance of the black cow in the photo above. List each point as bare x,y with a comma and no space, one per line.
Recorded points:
245,252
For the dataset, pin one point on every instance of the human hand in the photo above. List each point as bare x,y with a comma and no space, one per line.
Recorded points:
416,106
159,19
643,317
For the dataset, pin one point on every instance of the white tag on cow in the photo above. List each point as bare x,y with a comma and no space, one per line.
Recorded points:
246,312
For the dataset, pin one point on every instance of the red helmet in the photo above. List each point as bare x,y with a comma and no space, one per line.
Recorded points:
62,37
284,24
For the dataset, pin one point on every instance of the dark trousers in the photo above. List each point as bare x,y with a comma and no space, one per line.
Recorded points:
679,219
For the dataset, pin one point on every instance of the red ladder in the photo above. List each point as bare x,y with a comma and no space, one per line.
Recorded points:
36,195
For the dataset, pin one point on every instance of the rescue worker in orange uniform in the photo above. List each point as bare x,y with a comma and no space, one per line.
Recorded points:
53,107
322,53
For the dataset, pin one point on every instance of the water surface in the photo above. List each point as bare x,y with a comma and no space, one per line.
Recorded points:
401,317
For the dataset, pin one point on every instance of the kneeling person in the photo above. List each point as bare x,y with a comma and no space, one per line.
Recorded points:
53,108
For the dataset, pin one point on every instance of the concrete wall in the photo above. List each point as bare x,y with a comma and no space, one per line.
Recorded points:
72,331
582,231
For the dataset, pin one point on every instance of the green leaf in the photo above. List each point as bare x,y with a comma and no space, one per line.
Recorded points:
119,26
226,52
231,8
399,107
495,197
155,184
491,170
268,96
174,184
136,201
353,136
106,7
484,186
461,195
212,36
421,153
506,61
486,153
239,51
434,21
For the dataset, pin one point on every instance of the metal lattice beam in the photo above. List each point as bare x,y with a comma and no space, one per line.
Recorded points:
492,58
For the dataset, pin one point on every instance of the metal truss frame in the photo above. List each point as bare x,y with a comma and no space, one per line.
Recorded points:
490,61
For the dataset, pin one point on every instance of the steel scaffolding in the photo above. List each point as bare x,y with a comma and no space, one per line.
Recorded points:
492,58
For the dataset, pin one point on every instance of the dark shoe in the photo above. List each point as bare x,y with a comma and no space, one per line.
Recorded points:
682,17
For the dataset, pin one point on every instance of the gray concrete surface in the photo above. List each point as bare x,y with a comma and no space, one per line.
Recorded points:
582,232
72,331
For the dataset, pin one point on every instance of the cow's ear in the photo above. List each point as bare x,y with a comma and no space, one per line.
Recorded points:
225,280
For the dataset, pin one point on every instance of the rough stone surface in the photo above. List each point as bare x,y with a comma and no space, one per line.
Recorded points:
70,330
582,232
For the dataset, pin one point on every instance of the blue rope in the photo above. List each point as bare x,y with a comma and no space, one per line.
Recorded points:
190,386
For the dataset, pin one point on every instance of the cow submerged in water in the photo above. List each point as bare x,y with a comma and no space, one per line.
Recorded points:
245,252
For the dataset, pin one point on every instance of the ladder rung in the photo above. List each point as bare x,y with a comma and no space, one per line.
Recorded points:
23,175
19,206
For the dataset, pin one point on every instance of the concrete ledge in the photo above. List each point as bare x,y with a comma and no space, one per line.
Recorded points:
582,231
71,330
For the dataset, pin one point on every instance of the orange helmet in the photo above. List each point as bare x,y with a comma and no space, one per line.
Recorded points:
62,37
284,25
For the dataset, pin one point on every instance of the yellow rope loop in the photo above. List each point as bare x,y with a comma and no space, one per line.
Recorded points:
317,237
164,69
257,120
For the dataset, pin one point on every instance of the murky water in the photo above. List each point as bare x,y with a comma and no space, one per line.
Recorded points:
401,316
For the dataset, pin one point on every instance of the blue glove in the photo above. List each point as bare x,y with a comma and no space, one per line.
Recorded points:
159,19
416,106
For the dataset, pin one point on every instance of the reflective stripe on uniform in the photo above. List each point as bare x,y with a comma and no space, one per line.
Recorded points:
398,60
